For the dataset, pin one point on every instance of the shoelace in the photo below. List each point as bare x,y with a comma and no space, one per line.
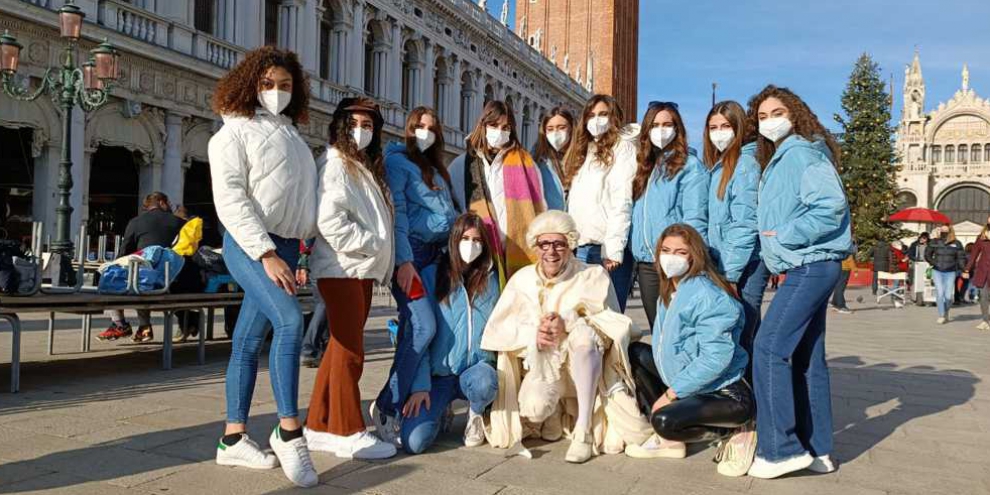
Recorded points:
726,450
302,453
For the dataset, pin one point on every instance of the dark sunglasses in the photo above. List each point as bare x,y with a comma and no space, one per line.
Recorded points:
655,104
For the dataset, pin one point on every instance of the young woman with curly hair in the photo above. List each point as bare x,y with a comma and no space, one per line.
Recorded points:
670,186
804,224
598,172
264,185
355,249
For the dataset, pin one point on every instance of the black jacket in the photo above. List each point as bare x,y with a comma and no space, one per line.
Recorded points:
946,257
882,257
151,228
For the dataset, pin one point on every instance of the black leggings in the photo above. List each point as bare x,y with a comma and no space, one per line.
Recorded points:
698,418
649,289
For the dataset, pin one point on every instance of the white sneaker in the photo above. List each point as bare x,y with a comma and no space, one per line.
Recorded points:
474,434
656,448
388,428
361,445
983,326
295,460
822,464
941,320
769,470
735,455
245,453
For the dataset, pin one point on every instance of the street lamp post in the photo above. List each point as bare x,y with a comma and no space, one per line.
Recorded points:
88,86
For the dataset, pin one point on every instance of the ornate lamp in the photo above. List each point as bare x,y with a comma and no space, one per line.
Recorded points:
70,18
10,53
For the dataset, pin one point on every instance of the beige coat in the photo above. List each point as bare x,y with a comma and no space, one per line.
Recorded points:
584,297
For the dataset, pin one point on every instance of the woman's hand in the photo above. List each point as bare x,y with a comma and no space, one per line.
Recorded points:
550,332
414,403
405,276
665,400
769,233
611,265
279,272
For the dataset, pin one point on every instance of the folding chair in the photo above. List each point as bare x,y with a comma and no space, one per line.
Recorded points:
894,286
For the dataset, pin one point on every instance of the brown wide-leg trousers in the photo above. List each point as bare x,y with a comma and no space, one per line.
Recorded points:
335,406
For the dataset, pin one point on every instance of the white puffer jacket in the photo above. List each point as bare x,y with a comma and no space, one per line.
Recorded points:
600,198
264,181
355,223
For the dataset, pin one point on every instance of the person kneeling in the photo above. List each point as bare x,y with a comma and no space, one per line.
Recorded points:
454,366
561,344
690,381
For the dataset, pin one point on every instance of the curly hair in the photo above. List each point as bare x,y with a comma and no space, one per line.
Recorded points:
237,91
370,156
543,150
734,113
581,138
674,155
805,124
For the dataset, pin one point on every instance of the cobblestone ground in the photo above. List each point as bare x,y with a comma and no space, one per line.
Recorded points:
911,403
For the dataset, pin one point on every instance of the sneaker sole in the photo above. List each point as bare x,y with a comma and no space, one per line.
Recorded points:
660,454
243,464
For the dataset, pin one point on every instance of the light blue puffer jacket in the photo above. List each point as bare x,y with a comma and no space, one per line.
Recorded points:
683,199
553,188
696,340
457,343
733,234
422,215
802,199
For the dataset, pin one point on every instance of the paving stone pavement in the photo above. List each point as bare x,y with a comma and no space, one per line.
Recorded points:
911,403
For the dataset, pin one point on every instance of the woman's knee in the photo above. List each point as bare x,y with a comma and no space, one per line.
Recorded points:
666,424
418,438
583,341
480,384
641,355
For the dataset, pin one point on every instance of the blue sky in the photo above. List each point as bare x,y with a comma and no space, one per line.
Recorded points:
809,46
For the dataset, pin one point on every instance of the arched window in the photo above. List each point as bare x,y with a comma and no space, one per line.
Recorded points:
526,126
409,84
966,203
976,155
905,199
204,16
326,37
511,104
369,62
963,153
936,154
440,82
950,154
489,93
467,101
986,153
271,22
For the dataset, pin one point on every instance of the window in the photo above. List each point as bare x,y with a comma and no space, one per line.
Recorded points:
326,32
963,154
204,14
976,155
408,84
950,154
467,100
986,153
271,22
369,63
489,93
936,154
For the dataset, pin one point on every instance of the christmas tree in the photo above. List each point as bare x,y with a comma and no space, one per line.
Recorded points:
868,159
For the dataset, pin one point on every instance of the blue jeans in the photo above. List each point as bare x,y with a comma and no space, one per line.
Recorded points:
264,302
790,375
318,332
622,277
752,284
477,384
945,291
417,326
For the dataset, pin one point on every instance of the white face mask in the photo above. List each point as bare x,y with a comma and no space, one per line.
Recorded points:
775,128
362,137
424,139
673,266
598,126
721,138
469,250
274,100
557,139
662,136
496,137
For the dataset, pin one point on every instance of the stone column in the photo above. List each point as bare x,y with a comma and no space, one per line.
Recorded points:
454,96
394,73
339,53
425,96
249,24
307,35
380,78
44,199
356,45
172,171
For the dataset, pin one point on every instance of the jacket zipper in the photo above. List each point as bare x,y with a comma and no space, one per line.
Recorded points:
470,324
646,212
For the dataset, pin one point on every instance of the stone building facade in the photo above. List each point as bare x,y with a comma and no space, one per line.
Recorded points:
153,134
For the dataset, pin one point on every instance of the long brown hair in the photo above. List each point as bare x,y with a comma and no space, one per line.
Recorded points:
701,261
237,91
494,110
473,276
577,152
648,156
734,113
805,124
370,156
543,150
430,162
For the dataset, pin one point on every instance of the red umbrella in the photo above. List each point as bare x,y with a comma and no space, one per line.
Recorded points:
920,215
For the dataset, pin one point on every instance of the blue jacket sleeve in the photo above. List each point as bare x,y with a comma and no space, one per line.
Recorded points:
742,232
694,197
822,194
715,321
397,179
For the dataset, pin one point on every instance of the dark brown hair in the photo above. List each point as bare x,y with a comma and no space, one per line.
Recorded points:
543,150
701,262
648,156
734,113
237,91
493,111
430,162
805,124
156,201
473,276
371,156
577,152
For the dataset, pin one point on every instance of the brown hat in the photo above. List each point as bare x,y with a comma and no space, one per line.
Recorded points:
360,104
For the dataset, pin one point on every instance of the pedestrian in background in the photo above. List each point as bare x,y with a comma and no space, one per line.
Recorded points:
948,259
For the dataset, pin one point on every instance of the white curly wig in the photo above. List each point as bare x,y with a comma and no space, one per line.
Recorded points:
552,222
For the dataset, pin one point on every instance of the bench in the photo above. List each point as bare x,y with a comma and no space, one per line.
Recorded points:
88,304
